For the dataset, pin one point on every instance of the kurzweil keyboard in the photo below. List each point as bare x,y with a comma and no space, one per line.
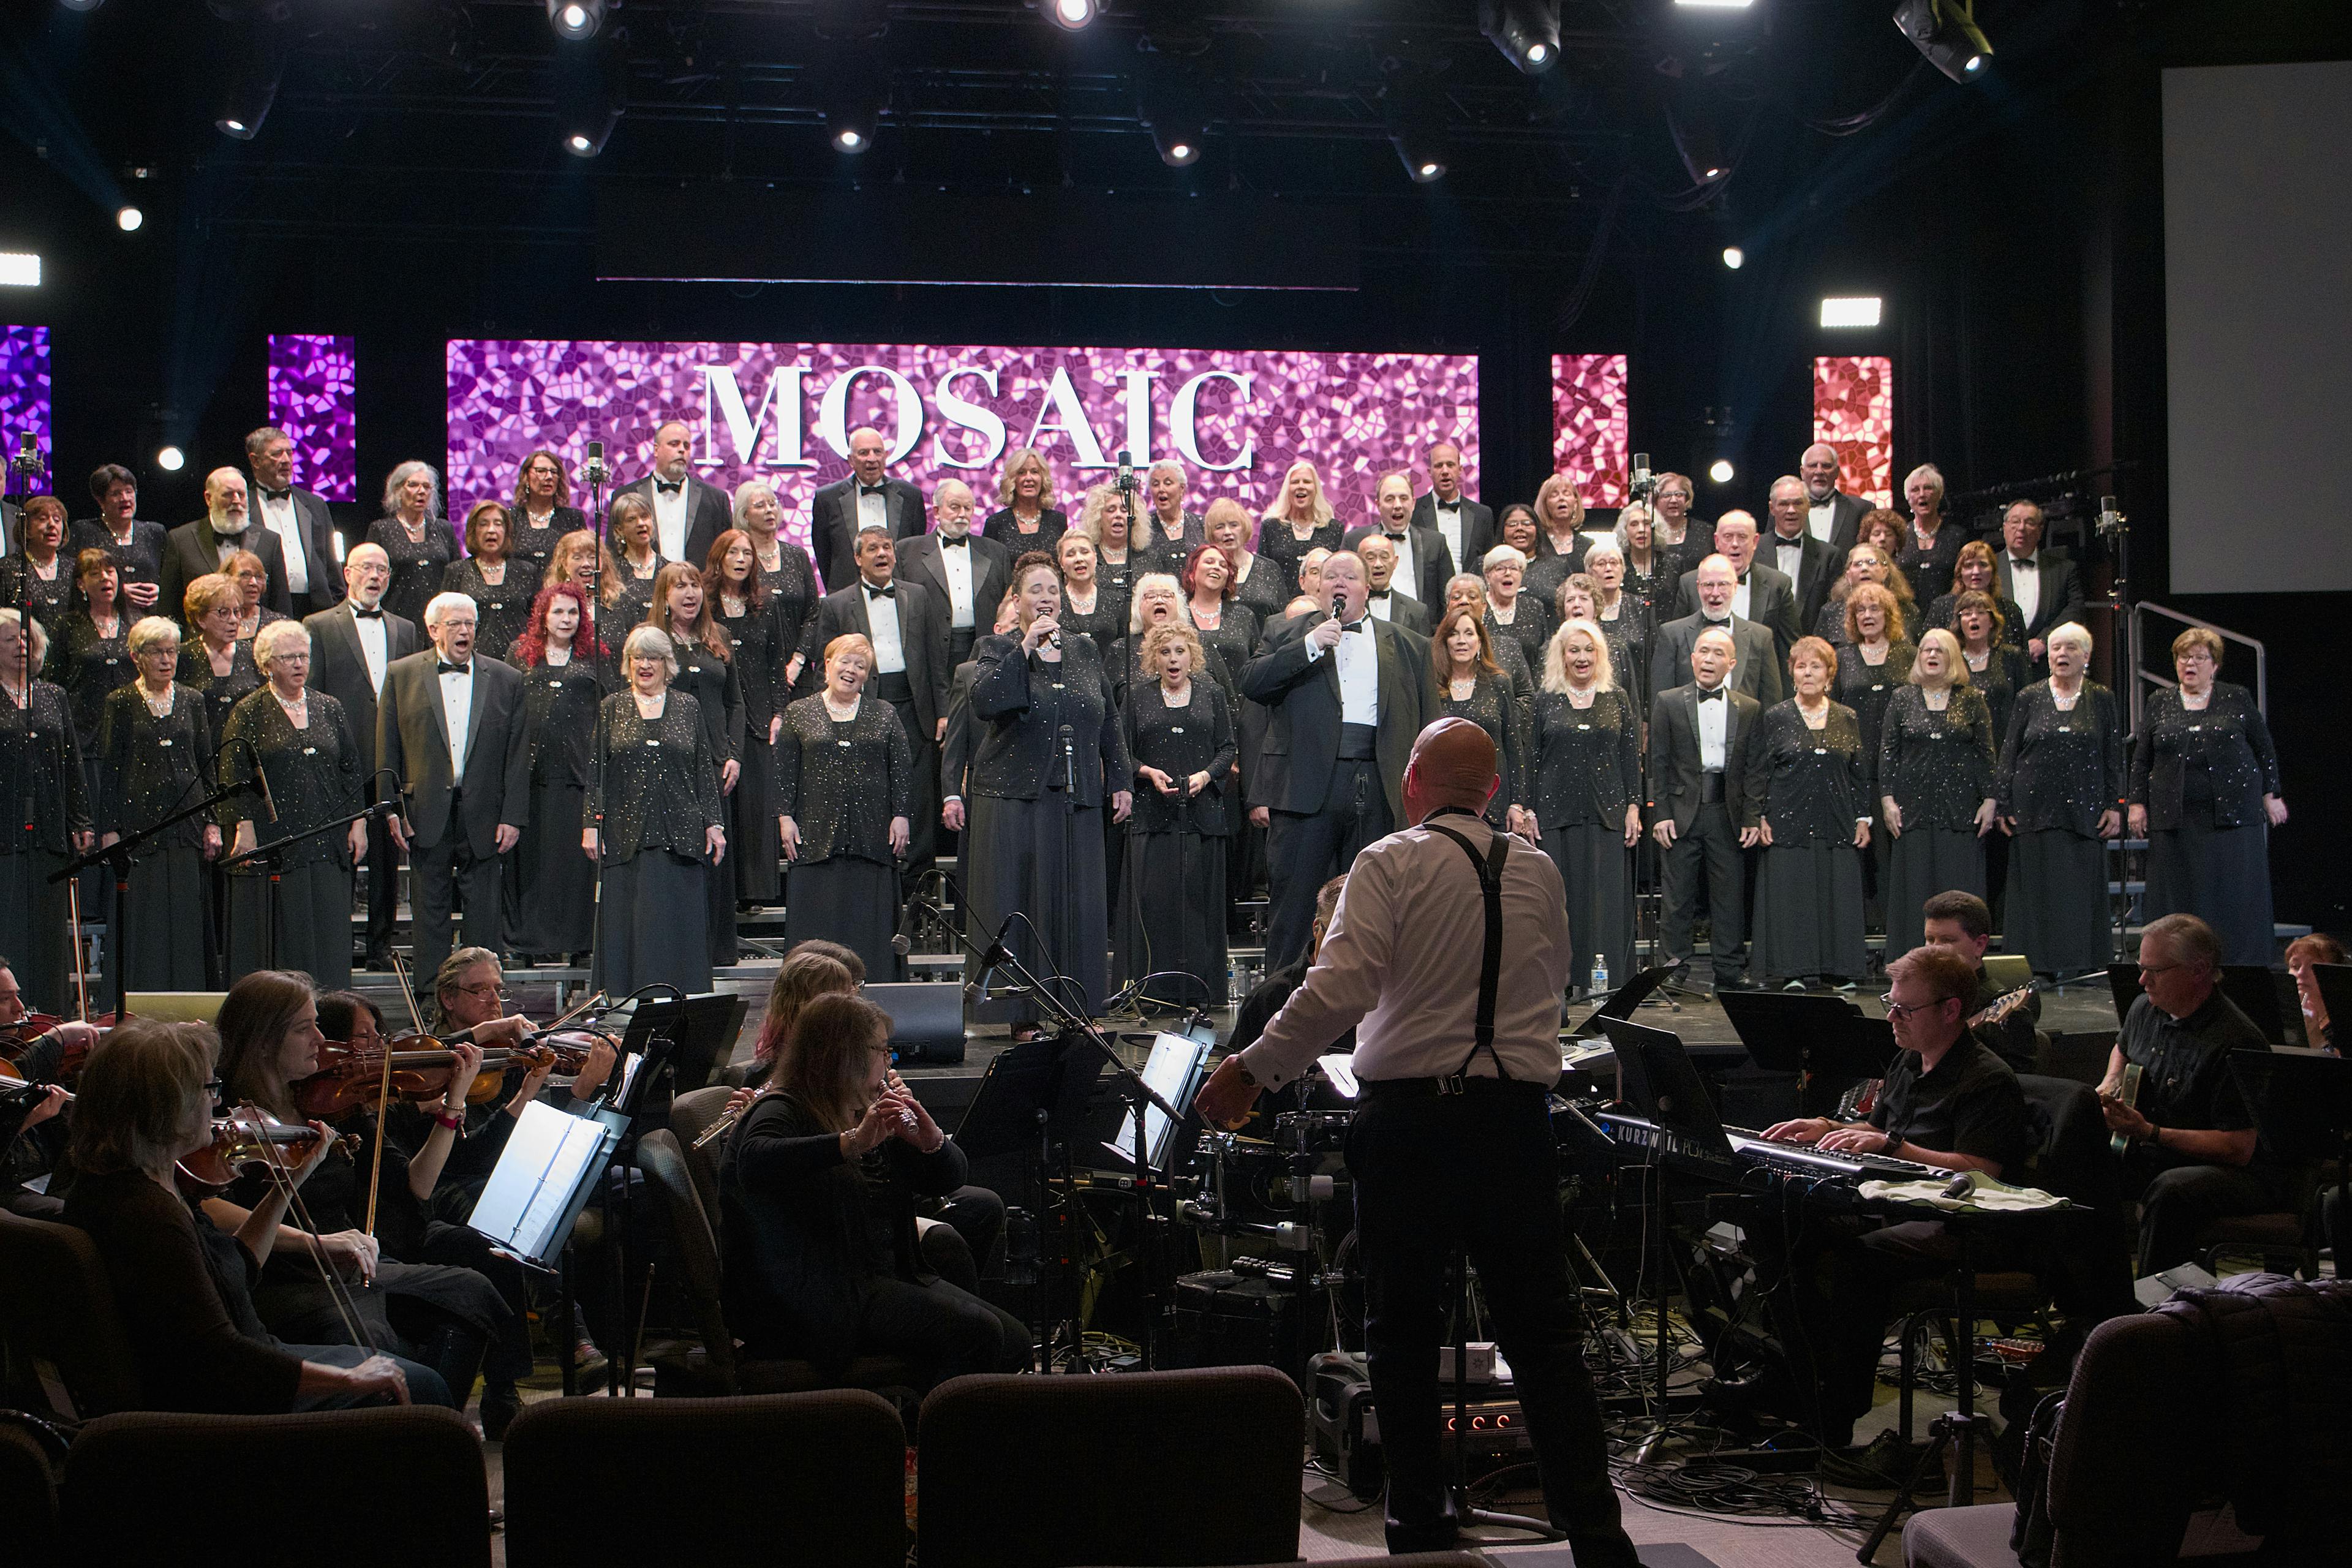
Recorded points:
1749,1150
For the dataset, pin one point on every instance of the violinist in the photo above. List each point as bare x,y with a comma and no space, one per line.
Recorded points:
38,1052
443,1316
182,1286
470,996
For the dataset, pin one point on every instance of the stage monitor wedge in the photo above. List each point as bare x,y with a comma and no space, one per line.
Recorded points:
737,236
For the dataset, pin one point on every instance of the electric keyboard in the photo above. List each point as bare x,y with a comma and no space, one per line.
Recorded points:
1749,1150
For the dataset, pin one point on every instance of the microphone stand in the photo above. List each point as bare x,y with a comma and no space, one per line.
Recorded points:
599,524
22,467
271,856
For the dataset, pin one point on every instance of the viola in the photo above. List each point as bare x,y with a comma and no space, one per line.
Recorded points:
247,1142
351,1077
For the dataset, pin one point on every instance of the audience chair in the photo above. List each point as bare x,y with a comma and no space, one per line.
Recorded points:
1148,1468
800,1477
691,1115
28,1497
57,1311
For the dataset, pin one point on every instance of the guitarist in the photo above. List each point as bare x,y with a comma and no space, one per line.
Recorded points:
1963,924
2193,1156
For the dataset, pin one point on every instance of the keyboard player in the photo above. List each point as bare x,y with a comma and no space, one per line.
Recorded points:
1948,1102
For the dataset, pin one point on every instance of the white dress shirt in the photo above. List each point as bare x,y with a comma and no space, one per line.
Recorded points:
1380,607
1740,599
882,617
1360,674
2025,587
280,518
873,508
1821,521
1788,555
457,710
669,519
1449,529
1713,724
1407,580
1400,966
374,646
955,565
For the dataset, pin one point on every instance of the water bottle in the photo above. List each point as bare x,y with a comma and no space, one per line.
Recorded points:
1233,993
1600,986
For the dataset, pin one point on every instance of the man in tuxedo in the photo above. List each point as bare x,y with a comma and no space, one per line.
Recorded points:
1790,549
202,548
957,568
451,725
688,515
1423,560
2041,584
1468,528
136,545
1698,757
1758,594
848,508
909,634
1758,670
299,518
1348,696
352,646
1831,516
1385,601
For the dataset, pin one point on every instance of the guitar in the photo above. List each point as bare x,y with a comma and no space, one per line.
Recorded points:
2128,1094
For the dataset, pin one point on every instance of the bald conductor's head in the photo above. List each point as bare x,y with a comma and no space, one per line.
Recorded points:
1452,765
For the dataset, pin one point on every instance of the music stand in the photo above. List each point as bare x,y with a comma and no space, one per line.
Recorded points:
1625,999
1810,1035
1663,1083
545,1175
2250,986
681,1039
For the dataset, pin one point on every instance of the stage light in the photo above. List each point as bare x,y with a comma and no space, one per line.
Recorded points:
855,89
1694,136
575,18
1860,310
249,71
1720,470
1070,14
1422,149
171,460
19,270
1945,31
1168,101
1734,257
128,219
590,89
1526,31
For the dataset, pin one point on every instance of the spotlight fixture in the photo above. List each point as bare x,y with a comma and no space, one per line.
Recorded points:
1734,257
1945,31
1858,311
1422,152
1694,136
128,220
1526,31
171,460
250,67
590,89
19,270
1070,14
575,18
856,91
1168,101
1720,470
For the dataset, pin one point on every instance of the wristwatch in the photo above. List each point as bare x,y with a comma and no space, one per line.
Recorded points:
1249,1079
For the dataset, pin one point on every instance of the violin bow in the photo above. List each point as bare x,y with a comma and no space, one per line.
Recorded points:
73,937
282,1178
384,1093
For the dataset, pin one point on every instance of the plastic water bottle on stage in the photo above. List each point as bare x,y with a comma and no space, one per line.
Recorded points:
1600,986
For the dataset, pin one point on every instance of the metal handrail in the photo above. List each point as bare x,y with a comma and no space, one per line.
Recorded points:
2145,678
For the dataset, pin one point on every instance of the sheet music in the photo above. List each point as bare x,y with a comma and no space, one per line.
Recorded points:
546,1157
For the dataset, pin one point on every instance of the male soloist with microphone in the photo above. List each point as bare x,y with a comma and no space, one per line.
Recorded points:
1451,1143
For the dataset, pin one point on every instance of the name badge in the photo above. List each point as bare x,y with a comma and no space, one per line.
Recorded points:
1935,734
310,750
2196,728
1880,685
651,741
1584,726
843,745
1057,686
1820,751
556,685
165,741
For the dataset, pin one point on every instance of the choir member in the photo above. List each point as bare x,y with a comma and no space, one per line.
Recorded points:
214,663
581,561
1868,563
302,740
1228,628
351,647
1934,787
251,577
1810,563
686,512
1388,601
706,671
156,758
791,580
1421,563
1973,573
1587,794
41,769
653,825
1931,547
1651,575
817,1189
1885,530
868,498
543,513
1873,663
1560,518
1699,735
566,676
1832,515
90,656
1579,600
1468,684
1105,518
1167,528
1159,599
1997,665
628,584
2061,785
1025,518
909,632
845,790
1298,519
1085,606
205,546
501,584
136,545
2205,794
1468,588
304,528
415,538
2314,948
1761,593
955,747
1805,800
1622,616
960,569
745,617
1511,611
1264,588
1467,527
1685,541
2040,582
1172,923
1756,667
1033,843
37,575
184,1288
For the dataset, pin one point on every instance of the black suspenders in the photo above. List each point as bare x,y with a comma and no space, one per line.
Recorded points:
1489,869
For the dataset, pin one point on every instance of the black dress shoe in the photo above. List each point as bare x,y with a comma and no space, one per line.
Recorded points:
379,960
500,1407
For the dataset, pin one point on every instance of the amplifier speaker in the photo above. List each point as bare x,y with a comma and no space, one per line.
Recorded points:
1347,1429
1226,1319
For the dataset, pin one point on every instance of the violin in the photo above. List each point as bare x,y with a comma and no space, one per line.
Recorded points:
245,1141
17,1040
420,1069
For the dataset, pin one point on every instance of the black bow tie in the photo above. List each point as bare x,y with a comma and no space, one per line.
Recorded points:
1395,539
958,542
1380,598
1725,622
1355,625
865,489
285,494
2017,564
443,667
668,487
1716,695
888,591
221,538
374,615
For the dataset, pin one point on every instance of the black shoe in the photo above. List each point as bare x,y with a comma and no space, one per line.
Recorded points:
1882,1464
1737,982
379,960
498,1409
587,1361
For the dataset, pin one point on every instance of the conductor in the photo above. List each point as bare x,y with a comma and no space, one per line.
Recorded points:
1452,1143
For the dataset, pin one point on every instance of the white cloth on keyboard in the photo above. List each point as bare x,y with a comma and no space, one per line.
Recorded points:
1985,1194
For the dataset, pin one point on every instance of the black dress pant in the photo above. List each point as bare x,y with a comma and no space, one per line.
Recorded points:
1476,1170
922,841
1306,849
443,875
383,887
1711,850
2178,1203
947,1330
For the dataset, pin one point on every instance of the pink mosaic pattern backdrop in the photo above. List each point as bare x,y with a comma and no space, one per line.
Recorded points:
1853,411
312,380
1235,419
1590,428
25,388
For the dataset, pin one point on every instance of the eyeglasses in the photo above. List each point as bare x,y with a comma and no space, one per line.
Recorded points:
486,991
2161,968
1896,1011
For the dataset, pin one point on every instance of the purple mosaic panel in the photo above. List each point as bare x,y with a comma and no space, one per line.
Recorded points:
1235,419
1589,425
312,378
25,388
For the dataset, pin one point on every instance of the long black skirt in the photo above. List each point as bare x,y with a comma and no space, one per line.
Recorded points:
719,910
1598,871
33,919
1809,912
754,846
1922,863
1172,921
657,915
169,945
2058,911
559,898
848,899
2222,876
1045,860
314,923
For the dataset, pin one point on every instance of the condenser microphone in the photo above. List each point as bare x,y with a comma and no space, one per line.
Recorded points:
593,470
1643,483
1125,473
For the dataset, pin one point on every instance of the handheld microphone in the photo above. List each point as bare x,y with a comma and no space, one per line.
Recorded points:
1340,609
1069,761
